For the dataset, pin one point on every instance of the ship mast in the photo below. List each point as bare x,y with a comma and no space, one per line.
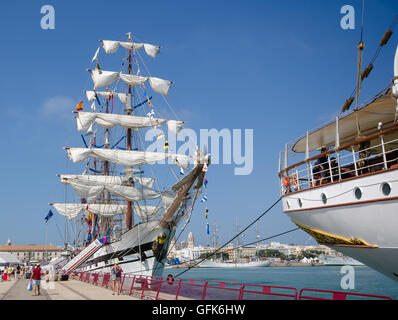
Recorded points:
129,212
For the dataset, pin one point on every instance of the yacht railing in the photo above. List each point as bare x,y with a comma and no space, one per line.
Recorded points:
342,163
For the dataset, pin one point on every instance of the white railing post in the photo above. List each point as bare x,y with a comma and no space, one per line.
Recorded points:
337,146
384,152
309,167
330,169
355,161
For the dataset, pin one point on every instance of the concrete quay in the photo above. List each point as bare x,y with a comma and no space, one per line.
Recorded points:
57,290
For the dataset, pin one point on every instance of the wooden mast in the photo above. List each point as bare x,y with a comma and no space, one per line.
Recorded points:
129,213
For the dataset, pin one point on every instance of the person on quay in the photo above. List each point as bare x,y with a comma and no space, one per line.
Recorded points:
116,273
36,276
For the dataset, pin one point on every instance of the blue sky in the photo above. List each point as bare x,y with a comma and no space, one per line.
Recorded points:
277,67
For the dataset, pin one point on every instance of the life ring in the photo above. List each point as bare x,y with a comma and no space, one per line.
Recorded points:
286,181
170,279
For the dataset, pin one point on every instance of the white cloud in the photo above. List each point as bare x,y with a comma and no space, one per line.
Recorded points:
59,106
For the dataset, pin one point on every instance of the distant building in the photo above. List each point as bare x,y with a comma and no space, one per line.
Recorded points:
191,241
29,253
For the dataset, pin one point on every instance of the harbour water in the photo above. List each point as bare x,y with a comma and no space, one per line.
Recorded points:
366,280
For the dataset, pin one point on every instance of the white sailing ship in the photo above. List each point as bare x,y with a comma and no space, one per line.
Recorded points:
131,215
339,261
346,197
234,264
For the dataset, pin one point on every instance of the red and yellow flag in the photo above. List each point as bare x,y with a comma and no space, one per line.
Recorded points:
80,106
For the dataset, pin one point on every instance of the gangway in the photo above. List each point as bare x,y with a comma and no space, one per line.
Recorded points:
82,256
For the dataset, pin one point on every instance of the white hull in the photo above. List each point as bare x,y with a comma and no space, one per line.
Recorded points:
373,218
133,252
252,264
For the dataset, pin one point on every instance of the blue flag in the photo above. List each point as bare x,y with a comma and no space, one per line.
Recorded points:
204,199
208,228
48,216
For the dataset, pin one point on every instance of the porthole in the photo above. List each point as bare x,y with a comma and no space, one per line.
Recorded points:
324,199
300,203
358,193
386,189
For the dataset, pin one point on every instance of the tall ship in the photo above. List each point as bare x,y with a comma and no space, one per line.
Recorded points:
343,190
133,193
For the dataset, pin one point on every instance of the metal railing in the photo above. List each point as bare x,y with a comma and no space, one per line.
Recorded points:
342,163
169,288
337,295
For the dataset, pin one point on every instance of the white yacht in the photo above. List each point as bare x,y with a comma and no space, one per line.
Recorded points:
344,189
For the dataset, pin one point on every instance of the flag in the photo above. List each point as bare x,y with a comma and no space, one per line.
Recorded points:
105,239
48,216
204,199
96,55
80,106
204,168
182,171
166,145
161,136
208,228
206,213
205,183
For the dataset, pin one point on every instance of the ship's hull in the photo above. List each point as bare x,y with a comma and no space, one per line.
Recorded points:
133,252
364,229
215,264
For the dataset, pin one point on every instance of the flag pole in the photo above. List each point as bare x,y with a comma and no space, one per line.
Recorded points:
46,241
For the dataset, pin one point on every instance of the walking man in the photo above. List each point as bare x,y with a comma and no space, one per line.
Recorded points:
116,273
36,276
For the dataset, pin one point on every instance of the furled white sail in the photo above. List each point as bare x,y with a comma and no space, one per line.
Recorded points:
93,180
107,209
71,210
103,78
160,86
132,79
88,192
168,198
145,213
111,46
151,50
98,180
107,120
134,194
126,157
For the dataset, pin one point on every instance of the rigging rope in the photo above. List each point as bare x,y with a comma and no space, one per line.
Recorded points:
367,71
231,249
237,235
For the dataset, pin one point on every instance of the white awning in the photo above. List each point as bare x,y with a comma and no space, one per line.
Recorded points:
382,109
